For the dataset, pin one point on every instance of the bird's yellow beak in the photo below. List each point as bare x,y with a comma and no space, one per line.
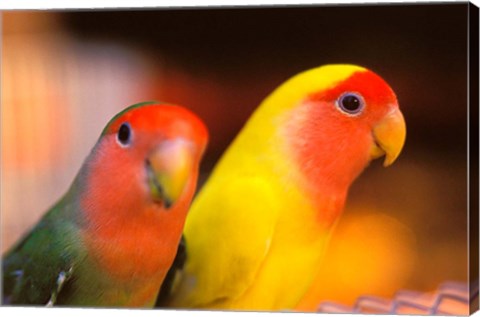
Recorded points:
389,136
169,167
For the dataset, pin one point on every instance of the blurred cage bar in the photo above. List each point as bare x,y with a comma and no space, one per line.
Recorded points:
450,298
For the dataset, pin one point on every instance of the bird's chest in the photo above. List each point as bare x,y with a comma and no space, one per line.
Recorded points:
294,256
131,253
286,274
124,267
293,262
94,288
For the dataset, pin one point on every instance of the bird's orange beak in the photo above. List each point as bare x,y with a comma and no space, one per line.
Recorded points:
169,168
389,136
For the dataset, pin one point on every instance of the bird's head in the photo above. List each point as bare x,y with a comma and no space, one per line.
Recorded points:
148,155
338,118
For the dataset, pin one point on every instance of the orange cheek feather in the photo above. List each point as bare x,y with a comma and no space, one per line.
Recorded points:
331,149
128,236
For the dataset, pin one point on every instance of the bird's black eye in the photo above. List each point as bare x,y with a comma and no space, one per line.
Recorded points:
124,134
351,103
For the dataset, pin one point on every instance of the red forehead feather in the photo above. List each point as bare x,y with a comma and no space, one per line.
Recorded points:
154,117
371,86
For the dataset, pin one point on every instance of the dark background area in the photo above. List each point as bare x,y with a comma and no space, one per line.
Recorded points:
421,50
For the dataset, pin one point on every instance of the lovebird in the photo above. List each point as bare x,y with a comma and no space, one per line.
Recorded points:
257,230
110,240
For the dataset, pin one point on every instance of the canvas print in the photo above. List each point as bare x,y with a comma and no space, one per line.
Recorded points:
303,158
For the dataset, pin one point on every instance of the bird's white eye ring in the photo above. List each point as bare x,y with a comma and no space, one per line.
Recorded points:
351,103
124,134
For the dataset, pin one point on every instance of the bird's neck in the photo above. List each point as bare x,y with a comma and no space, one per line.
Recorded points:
127,237
301,155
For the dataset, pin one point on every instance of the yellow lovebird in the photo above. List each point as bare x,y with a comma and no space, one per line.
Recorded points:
257,230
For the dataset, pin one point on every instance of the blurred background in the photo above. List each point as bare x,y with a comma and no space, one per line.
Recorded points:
66,73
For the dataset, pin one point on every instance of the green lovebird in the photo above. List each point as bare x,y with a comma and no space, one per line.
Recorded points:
110,240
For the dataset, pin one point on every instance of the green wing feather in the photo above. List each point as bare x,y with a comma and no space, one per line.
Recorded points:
36,269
